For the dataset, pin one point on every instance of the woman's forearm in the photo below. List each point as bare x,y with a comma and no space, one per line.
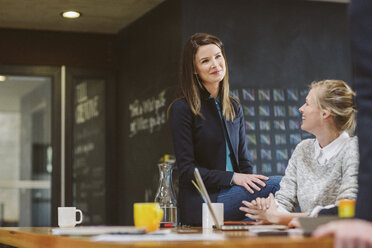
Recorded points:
284,218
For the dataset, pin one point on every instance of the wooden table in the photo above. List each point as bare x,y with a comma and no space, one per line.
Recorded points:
40,237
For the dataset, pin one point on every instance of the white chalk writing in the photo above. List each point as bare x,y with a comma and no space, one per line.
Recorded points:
85,148
147,115
86,109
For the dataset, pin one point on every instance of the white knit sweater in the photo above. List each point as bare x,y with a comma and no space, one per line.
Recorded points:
308,184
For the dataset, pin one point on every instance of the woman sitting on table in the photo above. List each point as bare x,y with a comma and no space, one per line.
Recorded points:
208,133
323,170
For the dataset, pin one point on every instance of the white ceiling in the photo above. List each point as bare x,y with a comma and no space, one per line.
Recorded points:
98,16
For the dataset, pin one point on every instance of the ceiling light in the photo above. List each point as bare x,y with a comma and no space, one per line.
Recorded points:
71,14
2,78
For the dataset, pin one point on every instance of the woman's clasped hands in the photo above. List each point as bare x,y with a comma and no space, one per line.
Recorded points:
263,210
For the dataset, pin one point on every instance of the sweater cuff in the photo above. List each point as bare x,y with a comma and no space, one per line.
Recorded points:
317,209
280,207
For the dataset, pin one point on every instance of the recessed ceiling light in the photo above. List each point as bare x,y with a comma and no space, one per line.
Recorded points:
2,78
71,14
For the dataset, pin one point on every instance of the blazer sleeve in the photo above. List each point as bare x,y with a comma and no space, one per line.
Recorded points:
244,162
181,122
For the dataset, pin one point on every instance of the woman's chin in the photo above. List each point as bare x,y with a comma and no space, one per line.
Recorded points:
303,128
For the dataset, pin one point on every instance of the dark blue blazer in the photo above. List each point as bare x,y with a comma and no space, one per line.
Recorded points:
200,142
361,40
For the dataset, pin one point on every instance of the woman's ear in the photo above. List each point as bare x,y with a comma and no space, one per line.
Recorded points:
326,113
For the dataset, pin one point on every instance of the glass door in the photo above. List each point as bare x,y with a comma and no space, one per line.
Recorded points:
26,149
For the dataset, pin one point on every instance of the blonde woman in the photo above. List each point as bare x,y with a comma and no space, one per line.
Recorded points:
323,170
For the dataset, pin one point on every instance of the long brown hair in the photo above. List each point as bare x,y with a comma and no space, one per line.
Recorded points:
190,84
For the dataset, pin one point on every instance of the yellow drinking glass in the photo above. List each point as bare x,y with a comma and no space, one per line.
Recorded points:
346,208
148,215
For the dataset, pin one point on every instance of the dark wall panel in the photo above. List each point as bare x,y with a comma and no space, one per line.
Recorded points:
29,47
270,42
148,63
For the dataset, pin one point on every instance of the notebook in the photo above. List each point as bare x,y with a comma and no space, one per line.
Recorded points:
231,225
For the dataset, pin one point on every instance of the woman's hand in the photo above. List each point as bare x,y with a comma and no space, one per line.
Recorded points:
262,203
294,223
260,211
249,181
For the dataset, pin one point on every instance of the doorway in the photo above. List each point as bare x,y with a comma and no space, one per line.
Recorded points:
29,145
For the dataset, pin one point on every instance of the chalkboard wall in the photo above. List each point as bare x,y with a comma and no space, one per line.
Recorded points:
147,80
275,43
274,50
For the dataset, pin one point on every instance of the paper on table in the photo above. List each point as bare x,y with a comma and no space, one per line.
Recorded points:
96,230
149,237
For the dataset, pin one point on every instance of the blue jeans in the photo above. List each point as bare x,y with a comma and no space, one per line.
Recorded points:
232,197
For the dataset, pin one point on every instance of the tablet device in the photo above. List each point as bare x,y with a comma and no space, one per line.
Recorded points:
230,225
239,223
205,194
272,233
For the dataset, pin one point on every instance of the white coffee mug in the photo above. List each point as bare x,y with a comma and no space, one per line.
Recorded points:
207,216
67,216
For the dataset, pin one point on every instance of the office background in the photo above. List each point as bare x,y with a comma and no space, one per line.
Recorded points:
275,49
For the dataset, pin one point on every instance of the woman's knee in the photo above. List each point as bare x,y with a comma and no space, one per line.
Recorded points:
274,182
